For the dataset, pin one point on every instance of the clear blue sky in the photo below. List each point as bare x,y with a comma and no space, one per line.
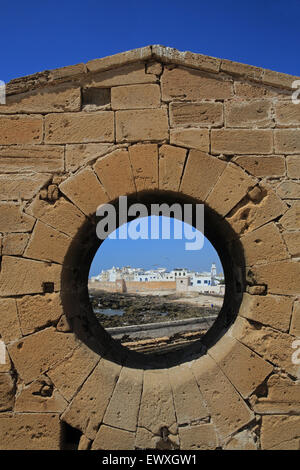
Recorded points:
38,35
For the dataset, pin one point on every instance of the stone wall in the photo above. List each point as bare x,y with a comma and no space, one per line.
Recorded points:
157,125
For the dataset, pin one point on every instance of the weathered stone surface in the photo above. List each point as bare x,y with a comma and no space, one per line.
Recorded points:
76,128
40,397
280,432
30,431
190,84
78,155
270,310
84,443
75,189
7,392
251,215
157,409
289,190
201,437
69,375
198,61
113,439
293,166
242,141
142,124
281,277
292,240
135,97
270,77
245,369
9,321
201,174
236,68
190,407
123,408
154,67
261,165
18,187
244,440
47,244
282,397
37,158
287,140
232,186
144,439
87,409
118,164
50,100
144,163
14,243
248,114
273,345
229,412
38,311
287,114
35,354
21,129
291,219
127,75
171,163
295,323
205,114
12,219
263,245
191,138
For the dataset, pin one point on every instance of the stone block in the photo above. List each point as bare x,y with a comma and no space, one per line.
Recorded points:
287,114
262,165
113,439
242,141
142,124
13,219
47,244
40,397
37,311
77,155
256,113
287,141
190,138
206,114
7,392
200,437
21,129
144,163
9,321
292,240
33,158
135,97
280,432
20,187
171,163
14,243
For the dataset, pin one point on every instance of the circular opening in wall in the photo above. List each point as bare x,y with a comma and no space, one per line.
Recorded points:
156,284
115,289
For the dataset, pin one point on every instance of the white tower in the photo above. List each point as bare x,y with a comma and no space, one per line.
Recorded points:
213,274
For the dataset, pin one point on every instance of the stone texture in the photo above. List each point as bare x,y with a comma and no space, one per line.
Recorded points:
47,244
18,187
242,141
248,114
205,114
295,323
291,219
229,412
118,164
128,75
190,407
37,311
289,190
21,129
14,243
201,437
280,432
245,369
40,397
287,114
9,321
50,100
244,440
144,164
191,84
30,431
78,155
35,354
7,392
281,277
263,245
270,310
123,408
292,240
157,409
135,97
71,128
261,165
113,439
201,174
142,124
87,409
37,158
191,138
12,218
75,189
233,184
293,166
171,163
69,375
287,141
282,397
